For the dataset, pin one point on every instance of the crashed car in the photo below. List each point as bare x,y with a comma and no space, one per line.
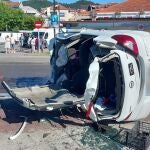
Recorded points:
105,72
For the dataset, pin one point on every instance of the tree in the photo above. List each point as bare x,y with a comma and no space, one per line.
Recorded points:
15,19
80,4
37,4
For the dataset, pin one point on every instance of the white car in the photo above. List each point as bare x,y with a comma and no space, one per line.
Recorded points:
107,72
120,79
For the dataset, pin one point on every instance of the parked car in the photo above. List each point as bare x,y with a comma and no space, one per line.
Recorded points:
106,72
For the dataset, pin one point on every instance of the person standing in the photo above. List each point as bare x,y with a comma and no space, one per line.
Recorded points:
33,44
36,43
12,43
21,42
7,44
29,41
41,44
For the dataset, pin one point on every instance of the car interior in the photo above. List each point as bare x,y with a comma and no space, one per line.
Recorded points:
110,87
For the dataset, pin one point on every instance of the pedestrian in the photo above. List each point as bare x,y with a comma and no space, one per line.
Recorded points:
41,44
7,44
51,45
36,43
21,42
33,44
12,44
29,41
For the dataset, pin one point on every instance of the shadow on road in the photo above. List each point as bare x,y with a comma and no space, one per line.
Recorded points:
25,82
13,112
30,81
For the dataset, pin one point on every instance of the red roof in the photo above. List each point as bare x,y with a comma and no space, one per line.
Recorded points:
83,13
13,4
129,6
61,7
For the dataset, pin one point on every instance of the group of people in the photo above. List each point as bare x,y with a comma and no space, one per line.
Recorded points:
26,41
9,44
36,44
31,41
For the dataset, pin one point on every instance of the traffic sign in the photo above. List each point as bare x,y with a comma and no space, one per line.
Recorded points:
38,24
54,20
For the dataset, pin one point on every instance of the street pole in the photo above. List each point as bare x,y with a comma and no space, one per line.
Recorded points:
59,17
54,11
38,41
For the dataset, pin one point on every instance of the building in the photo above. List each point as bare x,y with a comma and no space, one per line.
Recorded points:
12,4
65,14
127,9
29,10
26,9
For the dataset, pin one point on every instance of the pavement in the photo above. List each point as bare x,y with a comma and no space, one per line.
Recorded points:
24,58
24,55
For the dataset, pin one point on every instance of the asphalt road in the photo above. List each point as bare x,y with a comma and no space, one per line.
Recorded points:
24,70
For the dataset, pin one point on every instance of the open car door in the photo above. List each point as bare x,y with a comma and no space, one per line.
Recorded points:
112,90
42,97
48,97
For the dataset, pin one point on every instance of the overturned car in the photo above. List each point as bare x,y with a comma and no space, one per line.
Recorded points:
104,72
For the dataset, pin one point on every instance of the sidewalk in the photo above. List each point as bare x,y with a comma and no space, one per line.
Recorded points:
22,57
23,51
26,52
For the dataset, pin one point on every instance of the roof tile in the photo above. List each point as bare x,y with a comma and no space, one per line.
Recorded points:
128,6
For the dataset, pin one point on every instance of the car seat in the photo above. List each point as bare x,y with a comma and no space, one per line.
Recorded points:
78,82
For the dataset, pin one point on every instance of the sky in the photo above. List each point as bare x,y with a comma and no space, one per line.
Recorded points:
71,1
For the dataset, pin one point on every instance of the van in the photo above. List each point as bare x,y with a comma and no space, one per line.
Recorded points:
46,34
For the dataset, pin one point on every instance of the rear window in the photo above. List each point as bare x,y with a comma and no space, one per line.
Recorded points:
46,36
36,34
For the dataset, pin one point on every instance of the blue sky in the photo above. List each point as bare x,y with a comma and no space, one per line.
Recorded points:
71,1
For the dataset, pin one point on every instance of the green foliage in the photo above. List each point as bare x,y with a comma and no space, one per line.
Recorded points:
79,4
28,21
37,4
15,19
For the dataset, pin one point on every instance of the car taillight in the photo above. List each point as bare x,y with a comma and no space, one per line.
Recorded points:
128,42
